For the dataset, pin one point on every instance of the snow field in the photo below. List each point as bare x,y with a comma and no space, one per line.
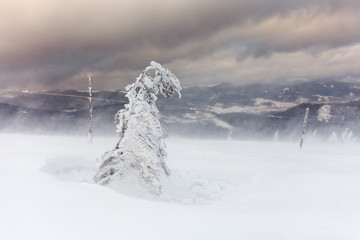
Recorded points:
218,190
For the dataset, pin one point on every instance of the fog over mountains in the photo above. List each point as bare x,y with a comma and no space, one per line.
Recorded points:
257,111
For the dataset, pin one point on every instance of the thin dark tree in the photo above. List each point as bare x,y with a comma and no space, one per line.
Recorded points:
304,127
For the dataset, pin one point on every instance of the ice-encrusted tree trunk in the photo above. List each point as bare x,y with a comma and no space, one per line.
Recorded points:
304,127
141,147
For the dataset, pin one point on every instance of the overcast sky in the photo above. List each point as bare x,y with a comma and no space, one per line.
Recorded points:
52,44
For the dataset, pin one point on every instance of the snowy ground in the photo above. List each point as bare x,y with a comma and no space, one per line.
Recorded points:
219,190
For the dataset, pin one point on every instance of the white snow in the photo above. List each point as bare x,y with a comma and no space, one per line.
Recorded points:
285,90
334,100
218,190
69,110
196,116
260,105
324,113
322,99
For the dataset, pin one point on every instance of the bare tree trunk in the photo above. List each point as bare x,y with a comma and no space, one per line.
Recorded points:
90,111
304,127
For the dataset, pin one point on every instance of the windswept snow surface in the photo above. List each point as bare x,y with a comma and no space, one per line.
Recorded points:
218,190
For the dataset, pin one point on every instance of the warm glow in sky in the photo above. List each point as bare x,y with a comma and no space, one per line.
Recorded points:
48,44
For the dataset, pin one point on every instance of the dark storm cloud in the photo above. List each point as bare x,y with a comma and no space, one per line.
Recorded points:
55,44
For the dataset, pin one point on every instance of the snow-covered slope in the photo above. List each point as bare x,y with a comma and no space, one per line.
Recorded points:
218,190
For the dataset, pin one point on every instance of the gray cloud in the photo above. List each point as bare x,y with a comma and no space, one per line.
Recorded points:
55,44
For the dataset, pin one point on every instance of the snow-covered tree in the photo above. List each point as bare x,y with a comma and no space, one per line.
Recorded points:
141,147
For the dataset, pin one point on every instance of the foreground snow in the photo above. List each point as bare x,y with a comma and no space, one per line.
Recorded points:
218,190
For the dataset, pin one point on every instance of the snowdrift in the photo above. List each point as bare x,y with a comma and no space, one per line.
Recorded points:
218,190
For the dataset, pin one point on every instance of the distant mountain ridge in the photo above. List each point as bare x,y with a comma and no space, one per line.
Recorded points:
253,111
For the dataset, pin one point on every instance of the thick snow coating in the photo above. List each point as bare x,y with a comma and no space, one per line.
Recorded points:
139,156
217,190
324,113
